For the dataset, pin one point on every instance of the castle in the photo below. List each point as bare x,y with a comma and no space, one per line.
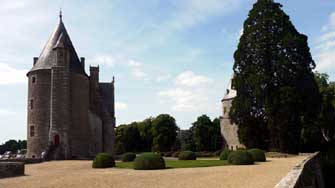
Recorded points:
228,129
70,114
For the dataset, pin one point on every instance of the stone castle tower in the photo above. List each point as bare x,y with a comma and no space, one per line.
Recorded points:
228,129
70,114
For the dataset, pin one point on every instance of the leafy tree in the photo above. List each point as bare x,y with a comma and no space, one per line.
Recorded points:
186,140
144,128
327,115
201,134
164,131
216,137
13,145
277,96
128,138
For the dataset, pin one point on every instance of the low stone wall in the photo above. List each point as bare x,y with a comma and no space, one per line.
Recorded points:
25,160
11,169
307,174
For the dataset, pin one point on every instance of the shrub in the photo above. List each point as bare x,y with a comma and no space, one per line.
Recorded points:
257,154
103,160
204,154
240,157
175,154
187,155
224,155
168,154
217,153
149,161
128,157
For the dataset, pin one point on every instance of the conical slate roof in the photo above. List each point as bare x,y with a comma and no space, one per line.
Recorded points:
58,39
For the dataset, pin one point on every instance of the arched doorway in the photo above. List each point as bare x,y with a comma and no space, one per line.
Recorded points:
56,140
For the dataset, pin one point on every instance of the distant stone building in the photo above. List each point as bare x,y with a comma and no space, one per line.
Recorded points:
70,114
228,129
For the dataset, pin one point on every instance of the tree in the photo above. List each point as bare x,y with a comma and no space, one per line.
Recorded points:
128,138
327,116
164,131
277,96
145,129
186,140
216,137
201,135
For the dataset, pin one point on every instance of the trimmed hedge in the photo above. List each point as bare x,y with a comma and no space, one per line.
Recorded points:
103,160
224,155
240,157
149,161
128,157
257,154
187,155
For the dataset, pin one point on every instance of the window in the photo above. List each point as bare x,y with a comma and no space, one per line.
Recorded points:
33,79
32,131
224,110
31,104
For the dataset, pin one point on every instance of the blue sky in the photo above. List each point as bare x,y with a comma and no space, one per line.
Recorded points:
168,56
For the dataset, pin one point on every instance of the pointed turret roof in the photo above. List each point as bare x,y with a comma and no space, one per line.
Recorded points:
58,39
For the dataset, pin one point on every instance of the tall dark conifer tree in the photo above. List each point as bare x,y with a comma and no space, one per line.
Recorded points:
277,97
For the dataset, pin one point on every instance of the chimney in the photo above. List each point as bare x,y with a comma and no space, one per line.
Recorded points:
35,60
82,61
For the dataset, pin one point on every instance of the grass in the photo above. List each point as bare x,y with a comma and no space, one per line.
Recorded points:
180,164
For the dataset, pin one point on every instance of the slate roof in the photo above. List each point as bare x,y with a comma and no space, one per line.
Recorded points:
58,39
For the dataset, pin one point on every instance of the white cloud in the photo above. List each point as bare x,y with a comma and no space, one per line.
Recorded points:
9,75
188,78
163,77
107,60
184,100
325,47
133,63
192,12
4,112
121,106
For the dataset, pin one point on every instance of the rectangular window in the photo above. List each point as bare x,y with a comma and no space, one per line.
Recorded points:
31,103
32,131
33,79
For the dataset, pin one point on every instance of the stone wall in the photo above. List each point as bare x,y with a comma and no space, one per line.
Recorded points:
306,174
38,112
11,169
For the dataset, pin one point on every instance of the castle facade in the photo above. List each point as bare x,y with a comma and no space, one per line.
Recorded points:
70,114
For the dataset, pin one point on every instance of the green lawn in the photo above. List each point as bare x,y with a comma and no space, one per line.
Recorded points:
180,164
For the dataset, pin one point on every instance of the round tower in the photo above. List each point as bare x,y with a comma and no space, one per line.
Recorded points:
38,111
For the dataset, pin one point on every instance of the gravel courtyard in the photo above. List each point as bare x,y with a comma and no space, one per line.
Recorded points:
79,174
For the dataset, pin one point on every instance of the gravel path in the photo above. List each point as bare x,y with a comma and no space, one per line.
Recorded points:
79,174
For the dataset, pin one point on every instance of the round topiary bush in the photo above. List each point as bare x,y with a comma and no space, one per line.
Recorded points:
103,160
149,161
224,155
257,154
187,155
240,157
128,157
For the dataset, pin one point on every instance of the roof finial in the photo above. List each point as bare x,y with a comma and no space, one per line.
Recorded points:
60,14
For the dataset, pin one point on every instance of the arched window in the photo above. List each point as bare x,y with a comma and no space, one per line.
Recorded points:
56,140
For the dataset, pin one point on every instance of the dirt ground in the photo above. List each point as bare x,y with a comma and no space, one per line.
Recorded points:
79,174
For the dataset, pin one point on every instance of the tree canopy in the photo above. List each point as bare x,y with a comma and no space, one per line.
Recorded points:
277,96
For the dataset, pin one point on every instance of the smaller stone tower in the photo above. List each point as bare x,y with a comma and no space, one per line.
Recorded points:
228,129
